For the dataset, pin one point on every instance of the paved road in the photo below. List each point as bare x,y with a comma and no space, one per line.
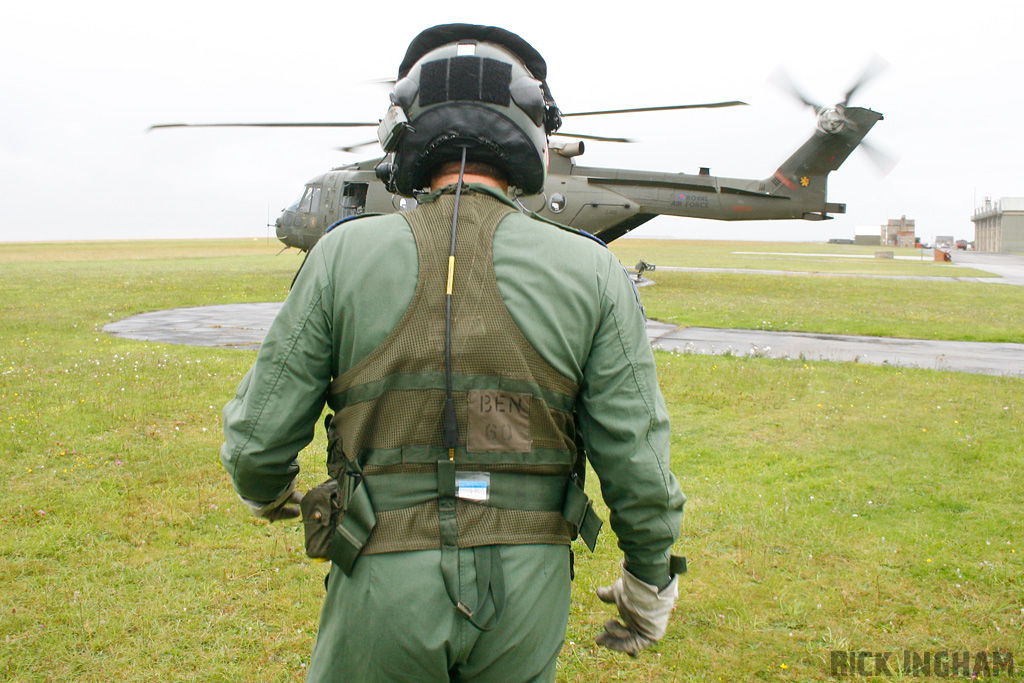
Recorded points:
242,326
1009,267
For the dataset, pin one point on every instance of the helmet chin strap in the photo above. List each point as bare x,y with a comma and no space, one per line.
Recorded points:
451,425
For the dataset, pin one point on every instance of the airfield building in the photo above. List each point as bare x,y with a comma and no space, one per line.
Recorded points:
899,232
867,235
999,226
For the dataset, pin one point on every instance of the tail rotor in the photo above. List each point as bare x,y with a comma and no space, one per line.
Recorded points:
832,120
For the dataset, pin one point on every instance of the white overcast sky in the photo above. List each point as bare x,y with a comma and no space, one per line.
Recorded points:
80,83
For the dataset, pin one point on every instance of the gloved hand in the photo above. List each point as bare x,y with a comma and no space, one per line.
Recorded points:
285,507
643,608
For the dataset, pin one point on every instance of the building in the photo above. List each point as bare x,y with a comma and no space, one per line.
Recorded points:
899,233
999,226
867,235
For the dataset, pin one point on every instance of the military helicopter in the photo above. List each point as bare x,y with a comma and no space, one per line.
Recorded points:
610,202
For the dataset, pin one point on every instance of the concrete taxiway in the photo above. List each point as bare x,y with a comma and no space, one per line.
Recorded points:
242,326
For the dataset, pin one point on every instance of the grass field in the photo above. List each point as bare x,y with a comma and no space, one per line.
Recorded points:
802,257
812,301
831,507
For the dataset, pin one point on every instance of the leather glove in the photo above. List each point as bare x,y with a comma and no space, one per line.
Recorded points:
642,607
285,507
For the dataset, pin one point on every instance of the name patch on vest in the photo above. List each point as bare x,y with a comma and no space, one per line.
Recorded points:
498,421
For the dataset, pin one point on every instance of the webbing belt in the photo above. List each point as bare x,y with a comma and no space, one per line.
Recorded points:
507,490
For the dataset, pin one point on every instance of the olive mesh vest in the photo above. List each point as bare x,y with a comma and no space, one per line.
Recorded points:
514,410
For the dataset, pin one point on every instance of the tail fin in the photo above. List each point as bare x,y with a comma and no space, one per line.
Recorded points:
825,152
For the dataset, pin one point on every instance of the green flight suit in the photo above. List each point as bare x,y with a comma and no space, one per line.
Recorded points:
576,307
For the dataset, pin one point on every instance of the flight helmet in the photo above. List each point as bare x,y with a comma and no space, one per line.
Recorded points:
478,88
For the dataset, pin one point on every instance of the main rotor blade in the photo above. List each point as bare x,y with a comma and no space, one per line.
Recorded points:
265,125
591,137
358,145
709,105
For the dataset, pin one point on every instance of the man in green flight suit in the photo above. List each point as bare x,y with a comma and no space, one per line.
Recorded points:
471,354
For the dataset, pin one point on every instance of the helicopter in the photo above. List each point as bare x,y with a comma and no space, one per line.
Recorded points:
609,202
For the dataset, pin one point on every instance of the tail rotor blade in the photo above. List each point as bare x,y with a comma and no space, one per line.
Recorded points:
882,160
875,66
782,80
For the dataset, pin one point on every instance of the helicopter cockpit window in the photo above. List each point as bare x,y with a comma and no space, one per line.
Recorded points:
353,199
294,206
557,202
310,201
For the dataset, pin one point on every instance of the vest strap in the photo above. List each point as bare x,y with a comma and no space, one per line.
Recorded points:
490,578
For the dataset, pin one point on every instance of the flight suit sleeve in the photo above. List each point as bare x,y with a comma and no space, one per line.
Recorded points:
279,401
625,427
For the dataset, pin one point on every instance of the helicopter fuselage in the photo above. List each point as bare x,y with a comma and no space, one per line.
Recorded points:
609,202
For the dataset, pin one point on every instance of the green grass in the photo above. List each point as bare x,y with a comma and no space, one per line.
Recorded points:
955,311
831,506
14,252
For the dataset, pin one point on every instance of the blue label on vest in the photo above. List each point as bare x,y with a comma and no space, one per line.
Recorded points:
473,486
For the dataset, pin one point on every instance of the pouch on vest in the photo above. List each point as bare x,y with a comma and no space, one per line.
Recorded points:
578,509
321,507
337,515
354,525
337,525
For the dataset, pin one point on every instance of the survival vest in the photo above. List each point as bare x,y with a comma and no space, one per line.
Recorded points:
511,479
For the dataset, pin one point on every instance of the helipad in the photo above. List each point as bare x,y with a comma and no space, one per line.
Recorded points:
243,326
